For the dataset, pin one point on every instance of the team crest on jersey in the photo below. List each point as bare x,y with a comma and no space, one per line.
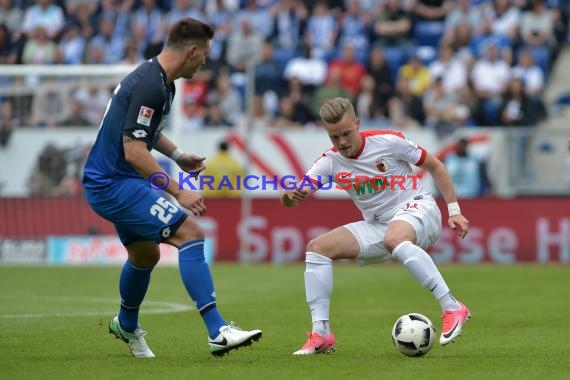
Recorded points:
145,116
382,164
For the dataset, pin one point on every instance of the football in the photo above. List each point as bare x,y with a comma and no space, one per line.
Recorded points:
413,334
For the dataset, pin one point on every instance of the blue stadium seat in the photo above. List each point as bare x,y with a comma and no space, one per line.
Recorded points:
395,57
542,58
428,33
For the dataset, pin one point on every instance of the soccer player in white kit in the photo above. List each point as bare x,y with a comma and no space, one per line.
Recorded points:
401,219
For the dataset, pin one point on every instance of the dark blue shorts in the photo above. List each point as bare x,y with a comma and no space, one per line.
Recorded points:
138,212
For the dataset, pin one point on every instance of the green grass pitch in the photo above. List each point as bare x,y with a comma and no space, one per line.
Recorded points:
53,324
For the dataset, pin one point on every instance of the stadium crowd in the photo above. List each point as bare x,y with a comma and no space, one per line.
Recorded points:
437,64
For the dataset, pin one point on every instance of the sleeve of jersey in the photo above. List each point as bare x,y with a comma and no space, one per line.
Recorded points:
143,114
320,173
407,150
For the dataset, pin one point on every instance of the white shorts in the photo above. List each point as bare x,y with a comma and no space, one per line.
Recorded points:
423,215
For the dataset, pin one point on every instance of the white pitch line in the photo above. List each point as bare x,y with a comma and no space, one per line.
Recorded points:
160,307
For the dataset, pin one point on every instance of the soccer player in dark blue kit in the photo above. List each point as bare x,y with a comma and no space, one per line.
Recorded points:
115,182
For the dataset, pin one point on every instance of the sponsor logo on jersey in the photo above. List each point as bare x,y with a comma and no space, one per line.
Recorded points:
372,186
381,165
145,116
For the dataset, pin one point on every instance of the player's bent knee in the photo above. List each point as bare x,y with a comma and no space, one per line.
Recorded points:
313,246
391,241
317,246
143,254
189,230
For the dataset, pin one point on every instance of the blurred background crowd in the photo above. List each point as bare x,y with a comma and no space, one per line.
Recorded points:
438,64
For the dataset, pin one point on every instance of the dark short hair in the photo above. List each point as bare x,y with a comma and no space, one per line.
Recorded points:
188,29
224,146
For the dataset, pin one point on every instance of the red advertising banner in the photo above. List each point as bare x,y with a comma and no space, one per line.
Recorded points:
502,231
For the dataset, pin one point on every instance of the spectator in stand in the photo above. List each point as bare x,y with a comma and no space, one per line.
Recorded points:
231,6
76,117
488,37
192,115
181,9
44,14
132,56
50,105
459,39
289,24
84,15
261,118
452,71
215,117
269,73
406,109
94,98
244,44
301,102
353,30
261,19
72,45
416,75
287,117
516,108
365,99
505,19
349,68
309,69
147,25
432,10
440,107
533,78
111,10
490,77
393,25
322,31
47,180
148,17
221,167
11,17
464,12
465,170
8,49
228,99
332,89
244,48
109,41
380,72
220,18
537,32
39,49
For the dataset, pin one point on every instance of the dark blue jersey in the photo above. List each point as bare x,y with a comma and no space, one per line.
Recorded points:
137,109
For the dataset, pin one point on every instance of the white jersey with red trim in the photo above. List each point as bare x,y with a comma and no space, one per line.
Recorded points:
379,177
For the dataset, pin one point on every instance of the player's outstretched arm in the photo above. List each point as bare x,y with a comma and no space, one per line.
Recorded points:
445,185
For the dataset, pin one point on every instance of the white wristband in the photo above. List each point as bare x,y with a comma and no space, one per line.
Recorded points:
453,209
176,154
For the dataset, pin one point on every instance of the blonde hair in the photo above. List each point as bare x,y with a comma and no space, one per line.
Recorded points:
333,110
